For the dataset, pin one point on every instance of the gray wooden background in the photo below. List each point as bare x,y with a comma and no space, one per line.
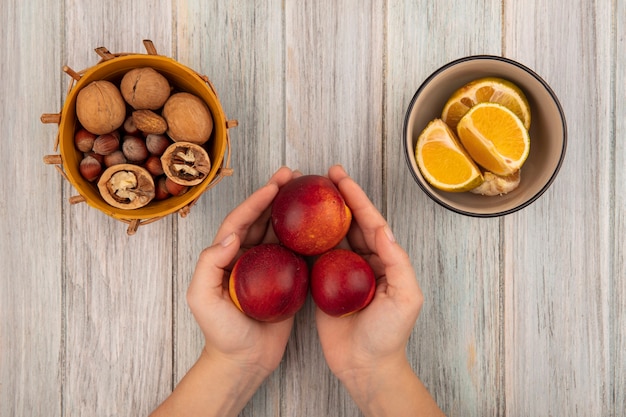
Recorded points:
524,315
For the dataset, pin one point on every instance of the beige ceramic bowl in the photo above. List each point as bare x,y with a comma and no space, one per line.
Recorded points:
548,132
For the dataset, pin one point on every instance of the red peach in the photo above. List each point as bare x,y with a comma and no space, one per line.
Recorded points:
342,282
269,282
309,215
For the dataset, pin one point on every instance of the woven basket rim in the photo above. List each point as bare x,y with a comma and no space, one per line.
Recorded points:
182,77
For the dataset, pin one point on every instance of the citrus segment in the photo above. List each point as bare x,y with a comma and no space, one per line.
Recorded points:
442,160
489,89
495,138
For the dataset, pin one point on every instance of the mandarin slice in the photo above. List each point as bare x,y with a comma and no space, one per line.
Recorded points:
488,89
495,138
442,160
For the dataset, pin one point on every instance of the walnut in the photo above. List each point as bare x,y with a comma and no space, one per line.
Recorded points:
188,118
126,186
186,163
100,107
145,88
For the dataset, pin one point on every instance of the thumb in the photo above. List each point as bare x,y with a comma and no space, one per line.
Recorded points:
399,271
208,276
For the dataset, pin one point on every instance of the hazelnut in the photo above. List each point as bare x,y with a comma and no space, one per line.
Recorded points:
107,143
83,139
161,192
98,157
186,163
157,144
100,107
154,166
90,168
134,149
129,126
188,119
148,122
174,188
115,158
145,88
126,186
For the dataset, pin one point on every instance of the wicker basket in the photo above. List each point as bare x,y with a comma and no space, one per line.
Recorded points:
112,67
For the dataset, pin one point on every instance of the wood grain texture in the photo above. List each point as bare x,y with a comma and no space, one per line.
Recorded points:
456,346
31,251
558,251
118,314
617,289
524,315
240,48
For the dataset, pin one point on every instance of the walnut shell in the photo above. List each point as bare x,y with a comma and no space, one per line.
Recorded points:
188,118
100,107
186,163
126,186
145,88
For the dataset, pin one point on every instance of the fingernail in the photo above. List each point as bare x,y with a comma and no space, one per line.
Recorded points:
389,233
228,240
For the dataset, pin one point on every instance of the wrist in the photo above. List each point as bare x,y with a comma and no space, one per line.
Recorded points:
365,381
389,387
235,369
214,386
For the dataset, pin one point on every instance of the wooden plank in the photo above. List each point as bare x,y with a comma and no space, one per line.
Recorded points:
240,47
31,254
618,277
118,351
334,101
557,261
456,345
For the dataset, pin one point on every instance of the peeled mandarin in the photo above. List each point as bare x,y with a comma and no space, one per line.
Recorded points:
497,184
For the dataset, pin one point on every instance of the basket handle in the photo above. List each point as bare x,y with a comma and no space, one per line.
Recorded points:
104,53
150,48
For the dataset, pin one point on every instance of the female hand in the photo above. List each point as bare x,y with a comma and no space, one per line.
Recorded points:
381,330
367,350
230,335
239,352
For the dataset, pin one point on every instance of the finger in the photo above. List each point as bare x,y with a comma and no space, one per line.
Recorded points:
254,207
399,273
363,210
357,240
257,231
262,231
207,278
336,173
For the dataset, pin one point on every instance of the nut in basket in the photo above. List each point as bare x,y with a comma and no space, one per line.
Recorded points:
118,121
